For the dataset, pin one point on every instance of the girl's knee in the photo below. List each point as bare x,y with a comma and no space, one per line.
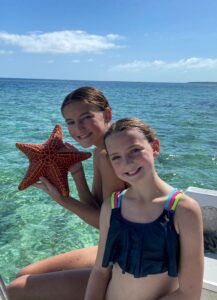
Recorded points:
22,272
15,288
18,282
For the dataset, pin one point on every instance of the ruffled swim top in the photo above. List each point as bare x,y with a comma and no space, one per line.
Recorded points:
143,249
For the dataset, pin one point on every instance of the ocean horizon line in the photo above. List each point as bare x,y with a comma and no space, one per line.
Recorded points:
118,81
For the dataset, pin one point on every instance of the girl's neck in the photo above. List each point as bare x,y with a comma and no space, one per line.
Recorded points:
100,143
151,188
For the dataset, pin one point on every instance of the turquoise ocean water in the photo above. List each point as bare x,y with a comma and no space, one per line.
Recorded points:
32,226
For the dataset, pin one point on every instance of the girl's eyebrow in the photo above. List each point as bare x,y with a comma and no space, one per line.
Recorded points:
81,115
66,120
134,145
111,154
130,147
85,113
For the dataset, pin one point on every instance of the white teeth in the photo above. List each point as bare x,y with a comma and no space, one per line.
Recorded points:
130,173
133,172
84,136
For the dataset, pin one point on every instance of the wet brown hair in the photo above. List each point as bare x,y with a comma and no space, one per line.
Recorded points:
87,94
128,123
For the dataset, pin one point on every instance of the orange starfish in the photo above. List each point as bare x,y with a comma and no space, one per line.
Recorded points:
52,160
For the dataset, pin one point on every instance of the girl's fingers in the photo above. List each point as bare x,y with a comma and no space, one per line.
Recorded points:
44,184
40,186
76,167
49,188
45,181
37,185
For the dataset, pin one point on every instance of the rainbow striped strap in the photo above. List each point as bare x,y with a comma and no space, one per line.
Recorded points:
173,199
176,201
116,199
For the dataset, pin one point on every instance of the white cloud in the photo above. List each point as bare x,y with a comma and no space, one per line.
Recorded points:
75,61
5,52
113,37
68,41
182,64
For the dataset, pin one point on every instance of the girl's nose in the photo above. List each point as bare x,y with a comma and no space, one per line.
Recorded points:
128,160
79,125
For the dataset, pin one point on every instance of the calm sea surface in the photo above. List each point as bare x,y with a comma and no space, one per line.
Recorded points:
32,226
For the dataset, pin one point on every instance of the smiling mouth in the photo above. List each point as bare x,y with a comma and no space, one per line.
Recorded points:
84,136
133,173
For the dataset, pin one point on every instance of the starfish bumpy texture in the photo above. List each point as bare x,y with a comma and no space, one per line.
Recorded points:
52,160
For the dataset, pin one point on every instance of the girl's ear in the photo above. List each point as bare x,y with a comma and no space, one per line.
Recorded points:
156,147
107,114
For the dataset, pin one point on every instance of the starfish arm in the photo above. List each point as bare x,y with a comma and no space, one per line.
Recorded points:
58,177
55,140
74,156
70,147
35,170
30,150
70,155
69,159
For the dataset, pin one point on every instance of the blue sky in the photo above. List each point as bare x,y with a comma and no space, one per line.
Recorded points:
126,40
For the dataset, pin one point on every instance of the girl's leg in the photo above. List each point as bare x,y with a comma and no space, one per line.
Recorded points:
65,285
75,259
63,277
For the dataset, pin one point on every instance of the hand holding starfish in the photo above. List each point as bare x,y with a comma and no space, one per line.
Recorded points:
52,160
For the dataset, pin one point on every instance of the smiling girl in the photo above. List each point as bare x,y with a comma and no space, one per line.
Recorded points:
87,114
151,236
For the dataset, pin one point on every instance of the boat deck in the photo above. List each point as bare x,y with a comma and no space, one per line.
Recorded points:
208,200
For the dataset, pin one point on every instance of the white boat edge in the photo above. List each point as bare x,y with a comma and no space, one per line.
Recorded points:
206,197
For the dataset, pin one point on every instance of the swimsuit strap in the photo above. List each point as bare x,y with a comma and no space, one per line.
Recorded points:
173,199
116,199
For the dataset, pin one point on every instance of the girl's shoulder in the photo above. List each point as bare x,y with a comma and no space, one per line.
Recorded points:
100,154
188,212
178,201
187,204
102,161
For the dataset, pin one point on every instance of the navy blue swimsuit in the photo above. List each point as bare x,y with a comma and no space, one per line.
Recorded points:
143,249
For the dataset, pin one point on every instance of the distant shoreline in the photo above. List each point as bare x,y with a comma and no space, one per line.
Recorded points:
203,82
121,81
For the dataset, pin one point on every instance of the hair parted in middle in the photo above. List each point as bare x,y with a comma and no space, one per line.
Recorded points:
128,123
89,95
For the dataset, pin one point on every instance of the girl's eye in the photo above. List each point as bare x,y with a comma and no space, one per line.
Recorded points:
135,150
115,158
70,123
87,117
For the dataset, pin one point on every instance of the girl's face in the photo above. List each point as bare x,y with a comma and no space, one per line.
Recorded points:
86,123
131,155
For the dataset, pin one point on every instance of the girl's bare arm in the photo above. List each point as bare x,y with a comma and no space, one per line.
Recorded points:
189,220
84,193
88,208
99,278
78,174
